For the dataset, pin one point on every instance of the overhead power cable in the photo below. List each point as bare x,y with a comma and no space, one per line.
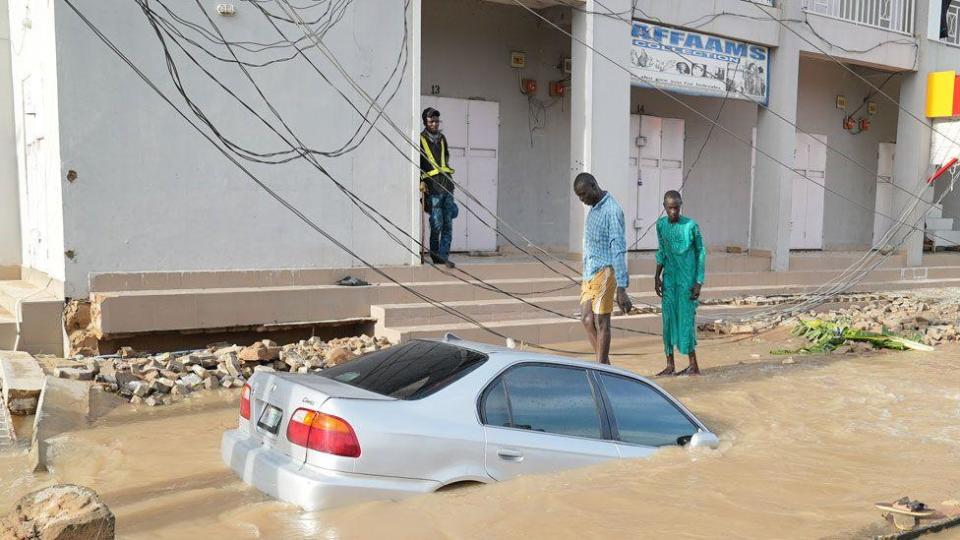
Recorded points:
286,204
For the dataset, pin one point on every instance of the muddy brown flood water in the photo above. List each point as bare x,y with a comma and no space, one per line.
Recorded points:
806,449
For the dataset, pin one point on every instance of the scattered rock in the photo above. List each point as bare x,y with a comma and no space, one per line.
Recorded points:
168,377
257,352
335,357
74,374
199,370
192,380
60,512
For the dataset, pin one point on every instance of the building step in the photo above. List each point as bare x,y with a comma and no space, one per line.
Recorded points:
418,314
946,239
540,330
126,312
939,224
551,330
497,268
40,311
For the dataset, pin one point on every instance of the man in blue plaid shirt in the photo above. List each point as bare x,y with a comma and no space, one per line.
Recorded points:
605,276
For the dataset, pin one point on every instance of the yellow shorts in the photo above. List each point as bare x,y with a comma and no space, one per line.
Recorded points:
600,291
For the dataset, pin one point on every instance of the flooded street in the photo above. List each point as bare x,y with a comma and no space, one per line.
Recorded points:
807,447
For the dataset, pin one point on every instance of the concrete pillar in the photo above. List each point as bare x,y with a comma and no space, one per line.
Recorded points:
599,106
9,200
773,182
912,163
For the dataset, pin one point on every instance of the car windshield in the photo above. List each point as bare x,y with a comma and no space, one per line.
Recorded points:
410,371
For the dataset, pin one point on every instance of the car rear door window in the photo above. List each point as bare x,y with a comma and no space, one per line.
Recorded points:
644,416
552,399
495,409
410,371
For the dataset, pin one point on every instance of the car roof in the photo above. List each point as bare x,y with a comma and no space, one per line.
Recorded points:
505,356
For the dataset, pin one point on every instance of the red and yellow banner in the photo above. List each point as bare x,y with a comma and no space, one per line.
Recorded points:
943,94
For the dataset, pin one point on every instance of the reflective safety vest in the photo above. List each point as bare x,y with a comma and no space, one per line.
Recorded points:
440,167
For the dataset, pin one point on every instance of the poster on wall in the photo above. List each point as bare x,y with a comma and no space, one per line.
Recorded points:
698,64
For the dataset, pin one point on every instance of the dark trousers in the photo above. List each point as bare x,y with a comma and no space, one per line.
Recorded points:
442,211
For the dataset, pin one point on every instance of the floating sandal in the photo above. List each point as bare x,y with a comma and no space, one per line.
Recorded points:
351,281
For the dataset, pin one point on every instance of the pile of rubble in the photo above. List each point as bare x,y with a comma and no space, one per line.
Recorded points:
931,323
930,318
165,378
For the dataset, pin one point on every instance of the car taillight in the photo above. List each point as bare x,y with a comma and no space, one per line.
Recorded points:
323,433
245,402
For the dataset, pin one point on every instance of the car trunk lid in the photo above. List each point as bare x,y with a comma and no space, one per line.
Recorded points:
275,397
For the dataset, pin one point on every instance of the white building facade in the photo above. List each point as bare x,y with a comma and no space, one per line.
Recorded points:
98,174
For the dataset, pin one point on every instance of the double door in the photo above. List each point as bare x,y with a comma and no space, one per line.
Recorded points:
810,166
472,129
656,166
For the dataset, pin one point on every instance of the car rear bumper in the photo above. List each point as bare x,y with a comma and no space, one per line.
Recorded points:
310,488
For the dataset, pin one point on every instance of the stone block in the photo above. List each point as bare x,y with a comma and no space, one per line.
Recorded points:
22,381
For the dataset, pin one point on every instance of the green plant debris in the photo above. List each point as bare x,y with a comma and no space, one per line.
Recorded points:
826,336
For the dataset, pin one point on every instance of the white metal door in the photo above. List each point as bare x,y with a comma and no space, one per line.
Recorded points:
483,152
671,156
810,164
634,181
472,129
885,160
659,151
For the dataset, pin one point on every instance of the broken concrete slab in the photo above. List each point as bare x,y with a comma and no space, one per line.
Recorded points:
75,374
22,380
64,406
60,512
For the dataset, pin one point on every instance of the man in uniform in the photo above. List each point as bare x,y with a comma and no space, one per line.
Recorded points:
436,187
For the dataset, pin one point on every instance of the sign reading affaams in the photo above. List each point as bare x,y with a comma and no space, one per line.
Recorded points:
698,64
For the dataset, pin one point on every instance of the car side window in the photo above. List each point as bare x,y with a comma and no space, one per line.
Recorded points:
495,410
644,416
550,399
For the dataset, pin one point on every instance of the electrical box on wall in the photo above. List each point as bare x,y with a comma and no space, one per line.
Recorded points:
841,102
528,86
566,66
518,59
558,89
871,107
227,10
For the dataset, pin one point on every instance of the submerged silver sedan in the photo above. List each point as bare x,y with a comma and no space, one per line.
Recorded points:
430,414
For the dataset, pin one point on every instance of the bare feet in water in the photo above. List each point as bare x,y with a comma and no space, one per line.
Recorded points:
669,370
692,369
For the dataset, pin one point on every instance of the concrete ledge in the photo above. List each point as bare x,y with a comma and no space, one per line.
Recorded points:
129,312
64,406
22,380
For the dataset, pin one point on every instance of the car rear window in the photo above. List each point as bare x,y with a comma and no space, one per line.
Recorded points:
410,371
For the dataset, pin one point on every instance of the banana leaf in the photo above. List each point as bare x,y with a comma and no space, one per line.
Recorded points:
826,336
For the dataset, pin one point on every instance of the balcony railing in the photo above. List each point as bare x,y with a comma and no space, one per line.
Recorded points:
894,15
953,14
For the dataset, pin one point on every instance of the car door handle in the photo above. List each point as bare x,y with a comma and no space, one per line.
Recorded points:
508,454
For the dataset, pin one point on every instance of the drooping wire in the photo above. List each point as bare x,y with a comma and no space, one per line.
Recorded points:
280,199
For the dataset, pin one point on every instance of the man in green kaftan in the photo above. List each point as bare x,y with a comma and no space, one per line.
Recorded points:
681,260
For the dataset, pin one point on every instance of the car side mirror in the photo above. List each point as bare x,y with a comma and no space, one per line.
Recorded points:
704,439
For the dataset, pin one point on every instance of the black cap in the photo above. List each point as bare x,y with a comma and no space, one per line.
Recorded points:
429,112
